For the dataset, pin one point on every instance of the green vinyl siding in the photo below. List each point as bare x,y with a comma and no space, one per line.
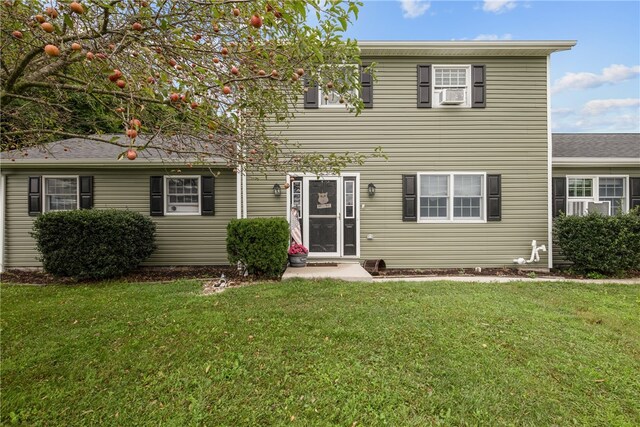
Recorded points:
562,171
508,137
181,240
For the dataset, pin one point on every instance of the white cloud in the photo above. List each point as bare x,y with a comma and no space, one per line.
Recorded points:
600,106
493,37
414,8
612,74
599,115
498,6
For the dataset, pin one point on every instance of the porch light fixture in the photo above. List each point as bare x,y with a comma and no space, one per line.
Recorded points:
277,191
372,189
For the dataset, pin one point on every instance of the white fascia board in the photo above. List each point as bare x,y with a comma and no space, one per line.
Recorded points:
596,161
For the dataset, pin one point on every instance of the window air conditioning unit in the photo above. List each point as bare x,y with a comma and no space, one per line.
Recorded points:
603,208
452,96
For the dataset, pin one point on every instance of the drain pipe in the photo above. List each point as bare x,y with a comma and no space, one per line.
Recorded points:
535,255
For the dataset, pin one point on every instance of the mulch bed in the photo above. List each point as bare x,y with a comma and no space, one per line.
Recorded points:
213,273
148,274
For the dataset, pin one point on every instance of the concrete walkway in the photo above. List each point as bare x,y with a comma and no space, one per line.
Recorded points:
351,272
505,279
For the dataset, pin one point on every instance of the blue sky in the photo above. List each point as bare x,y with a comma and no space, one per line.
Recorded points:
595,86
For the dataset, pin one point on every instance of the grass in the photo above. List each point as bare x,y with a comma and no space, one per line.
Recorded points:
322,353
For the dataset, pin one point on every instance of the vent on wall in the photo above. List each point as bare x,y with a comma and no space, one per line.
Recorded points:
452,96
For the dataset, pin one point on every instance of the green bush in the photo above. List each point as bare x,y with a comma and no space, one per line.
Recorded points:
260,244
93,244
602,244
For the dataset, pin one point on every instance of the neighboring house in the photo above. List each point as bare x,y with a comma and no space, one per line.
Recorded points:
467,182
595,171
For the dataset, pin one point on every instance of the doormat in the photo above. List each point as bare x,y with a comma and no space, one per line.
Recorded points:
322,264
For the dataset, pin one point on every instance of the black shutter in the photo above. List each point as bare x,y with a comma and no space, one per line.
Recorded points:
35,195
559,194
494,197
156,196
310,94
478,83
86,192
409,198
634,193
207,193
424,86
366,82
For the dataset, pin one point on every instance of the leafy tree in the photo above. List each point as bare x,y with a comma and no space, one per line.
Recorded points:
194,78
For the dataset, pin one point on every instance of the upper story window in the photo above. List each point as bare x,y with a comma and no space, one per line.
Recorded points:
328,94
452,86
451,197
60,193
604,194
183,195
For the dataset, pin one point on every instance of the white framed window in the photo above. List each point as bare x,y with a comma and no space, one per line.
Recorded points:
329,98
451,197
451,86
349,199
296,196
609,193
61,193
182,195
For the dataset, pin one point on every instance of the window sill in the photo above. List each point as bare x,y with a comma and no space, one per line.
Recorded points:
451,221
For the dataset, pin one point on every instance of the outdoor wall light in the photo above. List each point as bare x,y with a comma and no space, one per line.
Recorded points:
372,189
277,191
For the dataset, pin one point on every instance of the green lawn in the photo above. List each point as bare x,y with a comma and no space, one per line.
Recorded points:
322,353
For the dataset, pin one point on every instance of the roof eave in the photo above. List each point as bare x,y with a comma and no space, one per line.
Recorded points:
595,161
464,48
102,164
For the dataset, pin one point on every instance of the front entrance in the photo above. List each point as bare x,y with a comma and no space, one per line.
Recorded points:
328,213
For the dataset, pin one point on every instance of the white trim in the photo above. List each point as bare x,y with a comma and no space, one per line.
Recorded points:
244,192
596,161
357,213
44,191
549,170
3,192
305,217
435,94
238,194
166,194
450,196
595,194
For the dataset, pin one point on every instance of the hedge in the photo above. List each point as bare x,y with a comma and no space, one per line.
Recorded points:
261,244
93,244
602,244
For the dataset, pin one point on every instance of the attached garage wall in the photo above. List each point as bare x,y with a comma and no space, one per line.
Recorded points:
181,240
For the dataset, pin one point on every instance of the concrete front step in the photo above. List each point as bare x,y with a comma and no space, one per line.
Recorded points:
351,272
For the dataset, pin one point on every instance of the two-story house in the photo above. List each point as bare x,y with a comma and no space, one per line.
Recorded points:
466,183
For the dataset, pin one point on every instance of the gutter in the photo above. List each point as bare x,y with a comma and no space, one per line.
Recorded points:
596,161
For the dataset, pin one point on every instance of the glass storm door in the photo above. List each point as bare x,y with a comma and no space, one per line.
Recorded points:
323,216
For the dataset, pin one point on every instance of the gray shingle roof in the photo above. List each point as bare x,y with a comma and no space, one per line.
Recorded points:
88,151
596,145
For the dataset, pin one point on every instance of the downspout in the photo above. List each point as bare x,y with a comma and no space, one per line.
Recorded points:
238,192
244,192
549,170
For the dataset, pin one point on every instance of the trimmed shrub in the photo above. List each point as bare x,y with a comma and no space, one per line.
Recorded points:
602,244
260,244
93,244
